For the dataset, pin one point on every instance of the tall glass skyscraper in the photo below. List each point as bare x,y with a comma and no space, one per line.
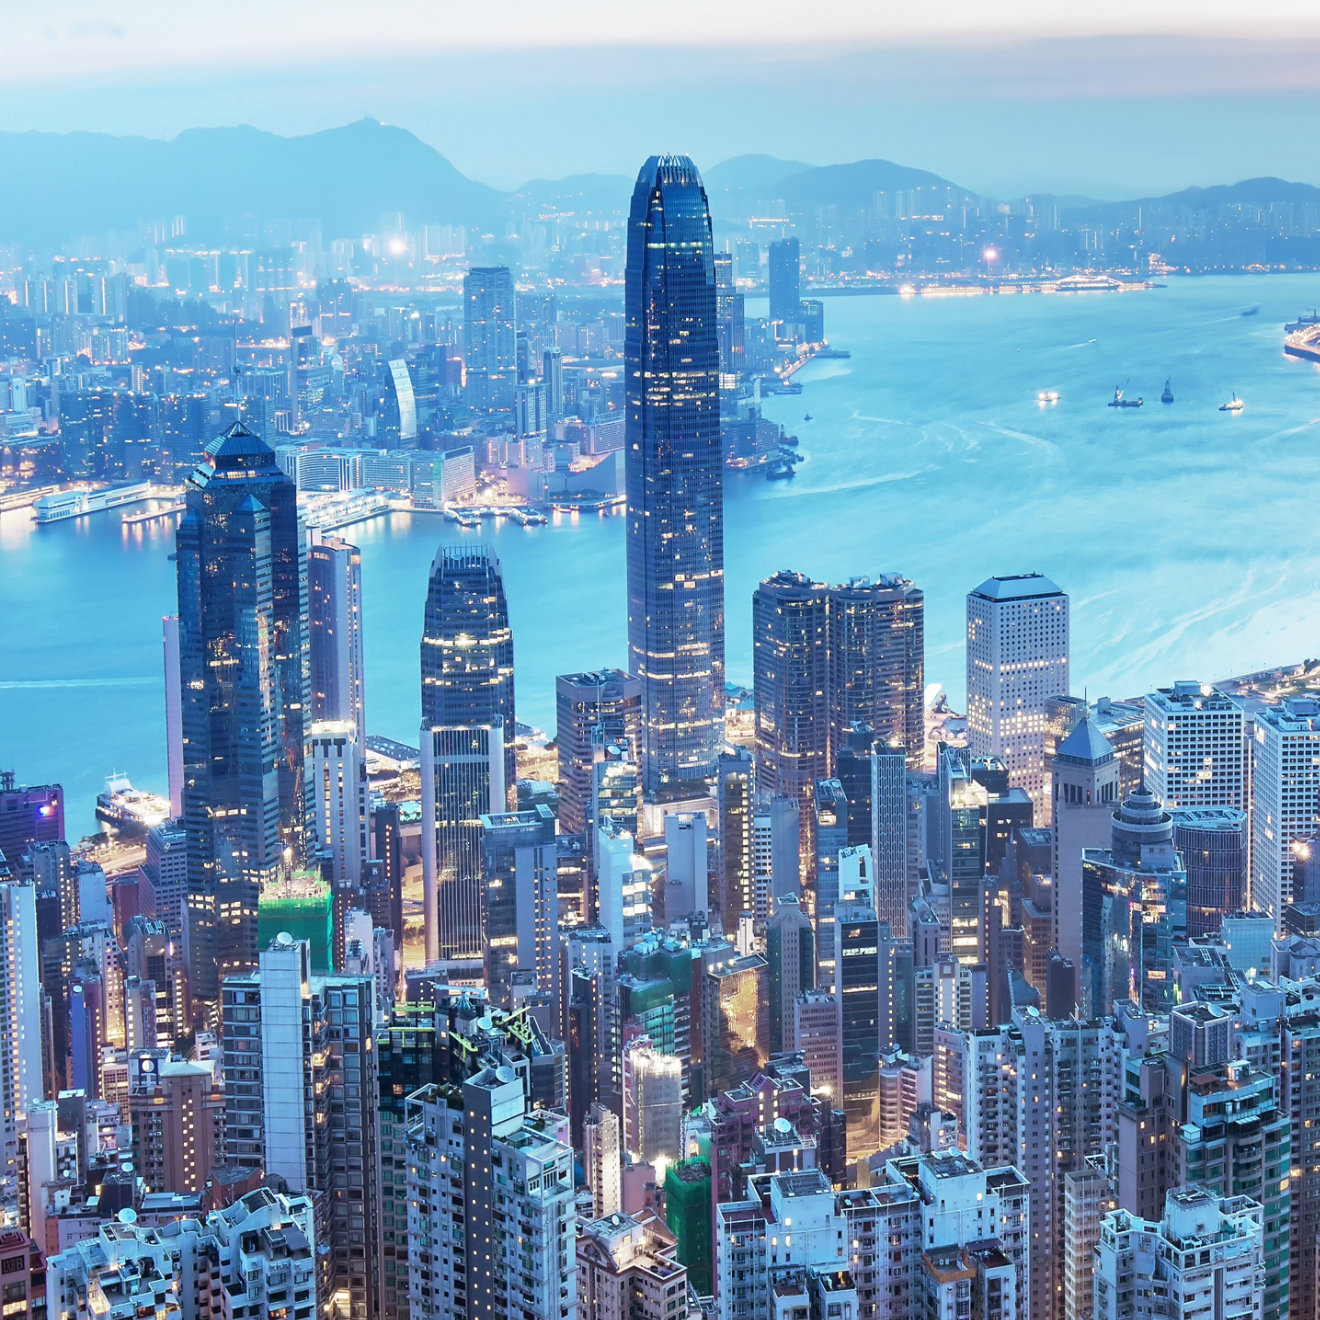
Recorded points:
245,683
490,338
467,753
674,477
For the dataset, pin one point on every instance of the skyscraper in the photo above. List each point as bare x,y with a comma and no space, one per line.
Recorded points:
1017,659
877,645
20,1022
785,271
490,338
245,681
467,646
674,477
791,686
605,699
1285,782
334,622
1193,750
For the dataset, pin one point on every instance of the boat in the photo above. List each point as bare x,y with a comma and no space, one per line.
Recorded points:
1233,405
1167,396
1047,396
1250,311
1118,401
1303,323
807,418
130,811
779,470
1086,284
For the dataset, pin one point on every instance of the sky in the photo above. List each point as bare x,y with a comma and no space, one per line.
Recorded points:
1122,99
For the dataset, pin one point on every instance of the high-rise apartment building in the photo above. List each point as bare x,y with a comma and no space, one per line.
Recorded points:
20,1024
301,1103
607,701
675,477
1285,795
334,630
1194,749
790,951
244,666
602,1158
491,1216
1017,660
489,338
628,1269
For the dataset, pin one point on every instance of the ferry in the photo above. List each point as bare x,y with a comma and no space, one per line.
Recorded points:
1047,396
1167,396
1118,401
780,470
1233,405
1086,284
130,811
79,503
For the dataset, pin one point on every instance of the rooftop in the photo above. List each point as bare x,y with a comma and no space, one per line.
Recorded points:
1017,586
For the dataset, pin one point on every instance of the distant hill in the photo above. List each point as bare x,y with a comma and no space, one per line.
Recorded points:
220,179
755,174
595,193
852,187
1249,192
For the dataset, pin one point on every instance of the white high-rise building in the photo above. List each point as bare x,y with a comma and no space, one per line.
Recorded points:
623,887
492,1224
20,1023
1193,750
1285,795
339,798
1205,1257
1017,660
602,1154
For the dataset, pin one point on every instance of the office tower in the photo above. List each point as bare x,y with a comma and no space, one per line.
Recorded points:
256,1258
176,1113
520,875
686,866
1135,910
785,271
1285,796
814,1032
173,713
858,973
961,809
790,686
615,798
602,1157
529,420
776,855
674,476
735,1021
462,780
889,835
790,951
1017,660
877,662
33,814
53,869
608,700
300,1103
334,630
489,338
1212,841
552,373
1046,1094
854,768
1204,1247
243,662
627,1267
467,646
1194,747
398,419
947,993
20,1023
1084,779
831,831
623,888
491,1216
736,797
652,1091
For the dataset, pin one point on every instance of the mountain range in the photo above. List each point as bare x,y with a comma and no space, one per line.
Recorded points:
224,181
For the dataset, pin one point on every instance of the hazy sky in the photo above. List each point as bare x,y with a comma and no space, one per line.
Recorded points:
1123,98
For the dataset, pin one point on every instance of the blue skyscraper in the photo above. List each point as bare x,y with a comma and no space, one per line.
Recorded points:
245,683
674,477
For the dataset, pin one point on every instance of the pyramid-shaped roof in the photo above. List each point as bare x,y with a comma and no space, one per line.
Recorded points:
1086,743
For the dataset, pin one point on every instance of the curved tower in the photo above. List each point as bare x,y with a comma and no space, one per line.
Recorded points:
675,475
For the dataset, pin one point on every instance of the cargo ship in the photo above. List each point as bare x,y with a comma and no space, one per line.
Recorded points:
79,503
